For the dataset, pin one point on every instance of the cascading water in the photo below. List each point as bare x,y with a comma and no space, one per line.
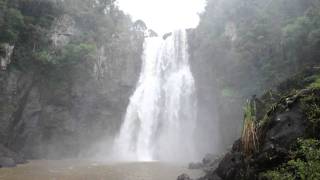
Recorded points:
160,119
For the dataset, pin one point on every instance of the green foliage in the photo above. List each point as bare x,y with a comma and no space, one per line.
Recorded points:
314,37
311,108
297,30
301,37
98,23
279,175
74,53
250,111
258,44
316,83
69,55
228,92
249,136
12,23
3,4
44,57
305,164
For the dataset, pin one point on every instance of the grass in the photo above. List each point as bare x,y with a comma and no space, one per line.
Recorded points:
249,138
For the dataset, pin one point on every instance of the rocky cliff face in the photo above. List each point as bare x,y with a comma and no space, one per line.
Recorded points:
219,110
63,115
6,51
285,118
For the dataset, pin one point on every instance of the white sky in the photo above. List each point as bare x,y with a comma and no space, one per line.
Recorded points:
164,15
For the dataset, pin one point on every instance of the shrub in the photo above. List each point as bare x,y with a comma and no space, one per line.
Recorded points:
74,53
311,108
12,24
249,136
305,164
44,57
70,54
316,83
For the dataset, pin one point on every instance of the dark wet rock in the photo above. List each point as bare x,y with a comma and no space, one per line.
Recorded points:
209,163
7,162
209,158
231,166
211,176
282,125
270,158
9,158
285,128
184,177
236,147
165,36
195,166
280,133
151,33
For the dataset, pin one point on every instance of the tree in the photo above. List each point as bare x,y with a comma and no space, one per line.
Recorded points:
11,25
139,25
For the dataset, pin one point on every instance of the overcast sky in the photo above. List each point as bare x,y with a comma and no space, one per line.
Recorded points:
164,15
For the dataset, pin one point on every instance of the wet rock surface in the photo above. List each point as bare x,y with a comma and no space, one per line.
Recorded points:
6,51
284,121
9,158
47,117
7,162
281,132
184,177
209,163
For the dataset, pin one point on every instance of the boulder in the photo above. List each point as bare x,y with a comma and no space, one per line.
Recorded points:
209,158
231,165
184,177
165,36
196,165
7,162
285,128
9,158
151,33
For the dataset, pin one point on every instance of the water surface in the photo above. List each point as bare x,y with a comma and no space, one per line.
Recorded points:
90,170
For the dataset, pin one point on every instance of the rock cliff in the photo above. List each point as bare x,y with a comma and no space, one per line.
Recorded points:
59,111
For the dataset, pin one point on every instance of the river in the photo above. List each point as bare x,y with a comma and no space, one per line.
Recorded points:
91,170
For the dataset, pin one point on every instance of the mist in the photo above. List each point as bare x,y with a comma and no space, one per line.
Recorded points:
150,89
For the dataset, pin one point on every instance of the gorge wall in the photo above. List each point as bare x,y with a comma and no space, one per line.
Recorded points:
68,86
244,48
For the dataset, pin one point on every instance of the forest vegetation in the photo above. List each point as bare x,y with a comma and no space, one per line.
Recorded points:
268,48
256,66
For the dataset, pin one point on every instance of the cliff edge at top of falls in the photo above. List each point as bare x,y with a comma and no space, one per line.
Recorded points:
287,131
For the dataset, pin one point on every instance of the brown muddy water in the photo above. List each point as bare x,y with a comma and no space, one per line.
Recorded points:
90,170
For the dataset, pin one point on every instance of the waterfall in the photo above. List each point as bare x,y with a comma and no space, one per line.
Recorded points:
160,120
